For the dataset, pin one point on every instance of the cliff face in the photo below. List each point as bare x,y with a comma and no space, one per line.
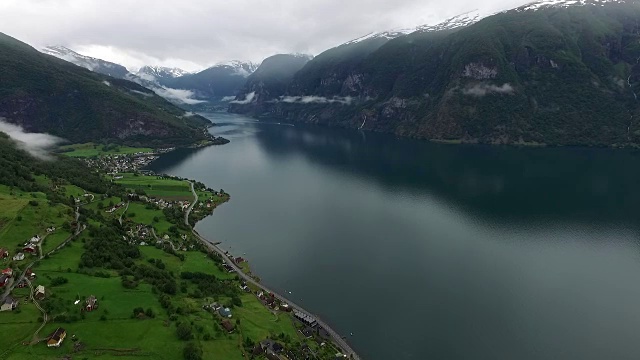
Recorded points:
554,75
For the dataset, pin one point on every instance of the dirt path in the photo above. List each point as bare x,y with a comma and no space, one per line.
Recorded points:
34,338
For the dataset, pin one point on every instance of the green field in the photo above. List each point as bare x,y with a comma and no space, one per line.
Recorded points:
154,186
19,220
91,150
146,216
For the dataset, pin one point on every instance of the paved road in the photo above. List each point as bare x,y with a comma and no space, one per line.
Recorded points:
124,212
195,196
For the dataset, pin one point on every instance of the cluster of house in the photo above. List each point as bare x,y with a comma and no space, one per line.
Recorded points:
5,276
160,203
225,315
31,246
271,301
90,304
29,274
139,234
115,207
114,164
311,327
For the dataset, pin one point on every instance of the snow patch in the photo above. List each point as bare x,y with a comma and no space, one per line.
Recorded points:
565,3
458,21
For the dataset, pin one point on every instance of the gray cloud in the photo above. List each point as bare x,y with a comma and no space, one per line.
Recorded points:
484,89
36,144
196,33
177,95
247,99
316,99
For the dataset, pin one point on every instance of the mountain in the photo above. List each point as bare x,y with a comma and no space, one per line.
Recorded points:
45,94
268,81
551,72
160,74
216,82
331,72
87,62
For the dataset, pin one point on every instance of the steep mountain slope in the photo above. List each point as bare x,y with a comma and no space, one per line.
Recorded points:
331,72
269,81
216,82
87,62
555,72
45,94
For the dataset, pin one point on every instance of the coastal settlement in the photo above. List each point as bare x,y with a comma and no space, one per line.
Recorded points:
98,253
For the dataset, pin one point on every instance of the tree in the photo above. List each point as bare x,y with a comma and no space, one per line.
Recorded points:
184,332
192,352
150,313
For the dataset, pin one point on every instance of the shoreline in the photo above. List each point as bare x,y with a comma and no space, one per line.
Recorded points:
211,245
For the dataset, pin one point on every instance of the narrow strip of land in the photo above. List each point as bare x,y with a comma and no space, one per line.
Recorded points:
337,339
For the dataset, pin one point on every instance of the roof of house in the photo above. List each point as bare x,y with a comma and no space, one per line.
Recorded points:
224,311
40,289
9,300
3,278
58,334
3,250
227,325
91,300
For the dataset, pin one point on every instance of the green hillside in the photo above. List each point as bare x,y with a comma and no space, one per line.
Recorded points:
46,94
557,75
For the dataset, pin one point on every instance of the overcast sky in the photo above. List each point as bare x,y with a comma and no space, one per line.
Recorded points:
194,34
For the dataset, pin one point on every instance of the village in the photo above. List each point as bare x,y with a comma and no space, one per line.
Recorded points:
155,214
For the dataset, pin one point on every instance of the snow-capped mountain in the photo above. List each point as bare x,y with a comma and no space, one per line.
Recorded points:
157,73
537,5
93,64
242,68
455,22
474,16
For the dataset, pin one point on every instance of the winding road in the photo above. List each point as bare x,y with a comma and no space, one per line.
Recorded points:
337,339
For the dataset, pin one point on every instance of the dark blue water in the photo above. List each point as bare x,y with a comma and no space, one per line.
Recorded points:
427,251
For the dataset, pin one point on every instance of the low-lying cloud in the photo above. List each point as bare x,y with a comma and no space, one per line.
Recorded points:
480,90
228,98
179,95
315,99
36,144
248,99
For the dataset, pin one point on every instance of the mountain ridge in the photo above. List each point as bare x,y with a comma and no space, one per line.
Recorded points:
550,74
46,94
